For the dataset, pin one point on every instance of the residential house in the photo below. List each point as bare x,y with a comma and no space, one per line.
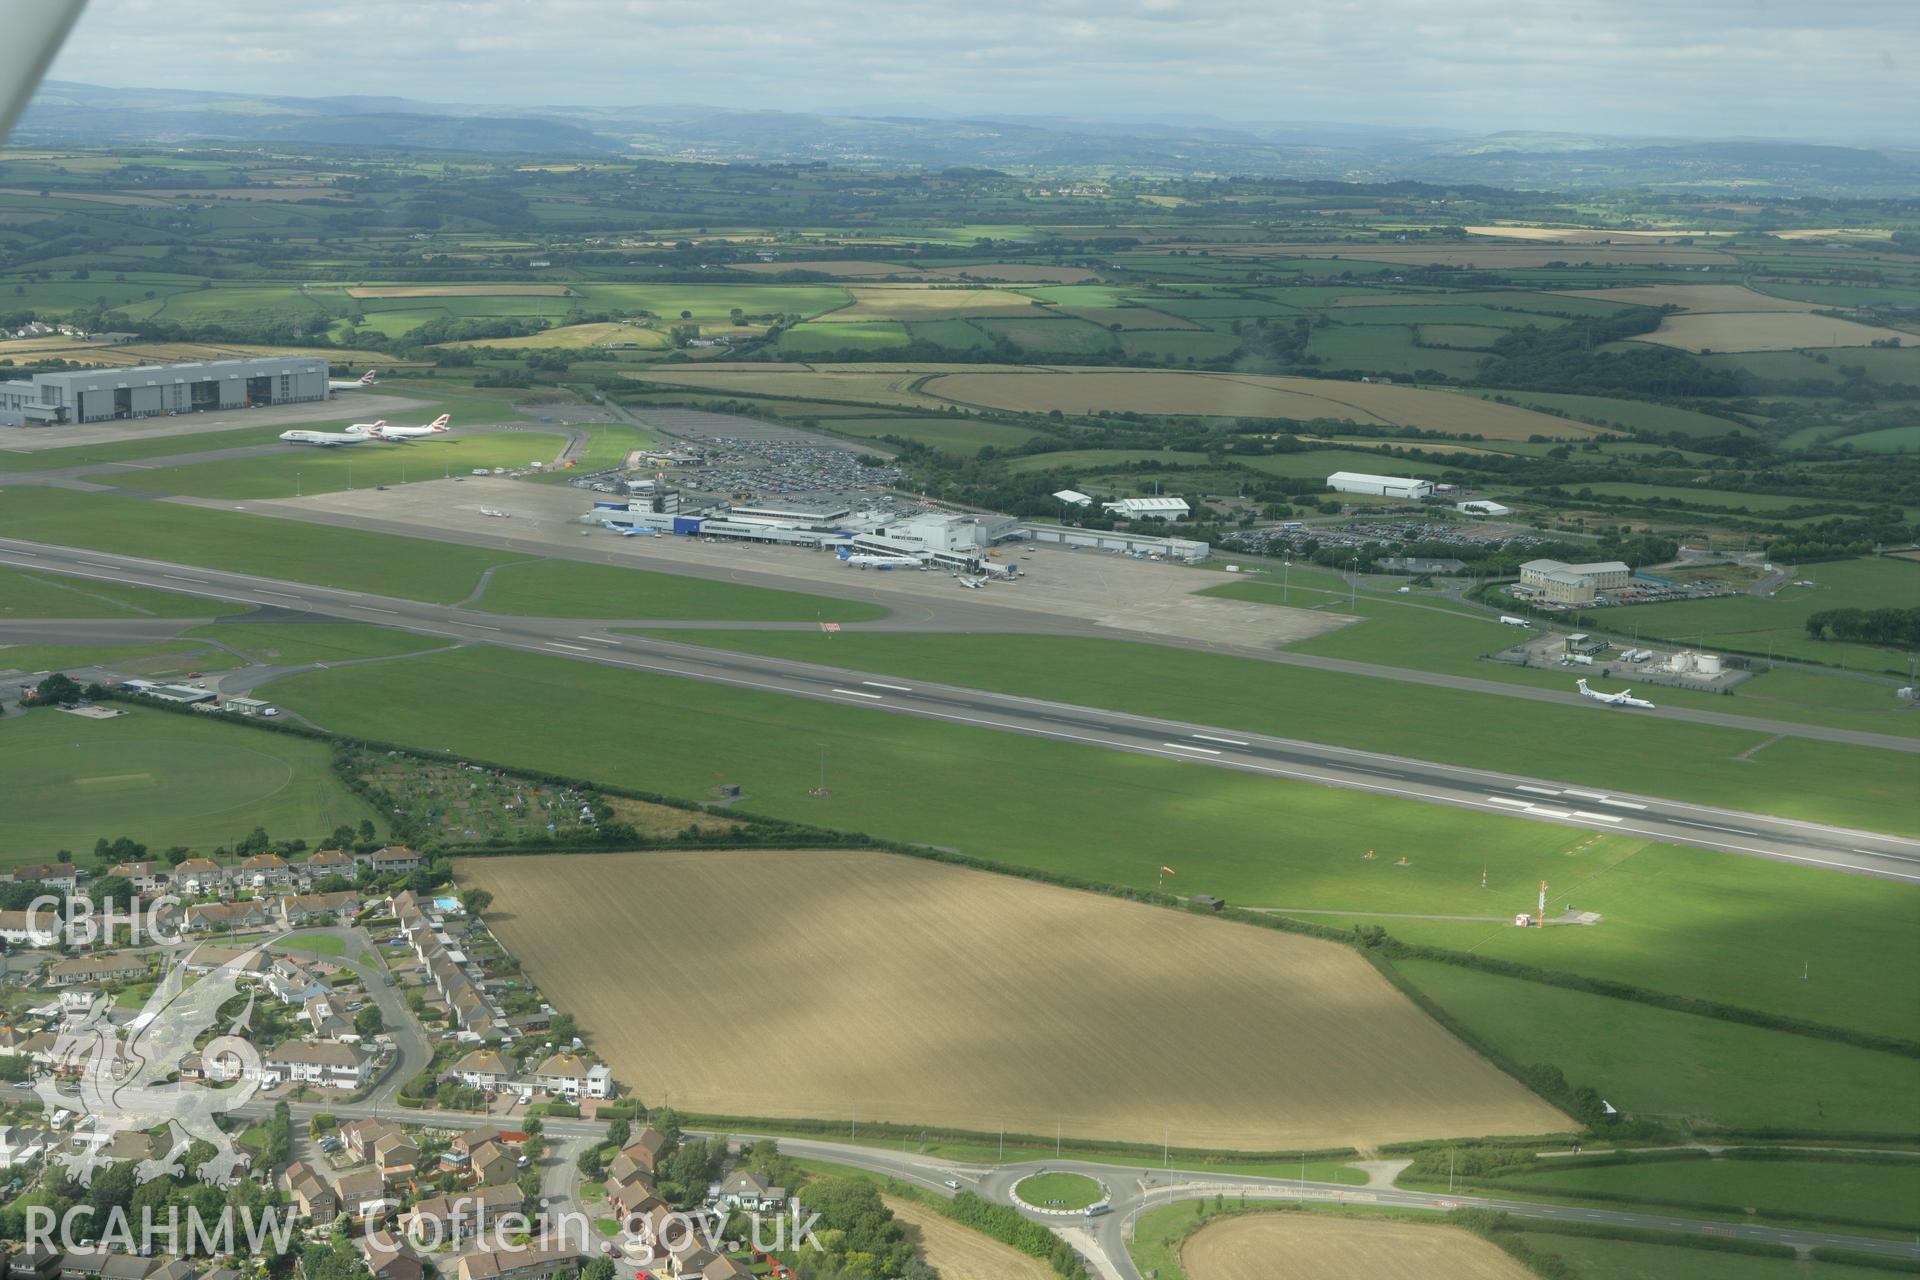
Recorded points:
487,1069
744,1189
265,870
389,1257
396,1156
530,1263
647,1148
35,1260
200,875
332,862
43,928
632,1198
724,1268
360,1136
20,1145
327,1022
310,1193
687,1258
338,907
493,1165
146,876
395,860
294,983
109,968
467,1141
248,962
464,1213
567,1075
335,1066
61,876
247,913
362,1194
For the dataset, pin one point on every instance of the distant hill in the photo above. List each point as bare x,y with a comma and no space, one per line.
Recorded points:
1055,145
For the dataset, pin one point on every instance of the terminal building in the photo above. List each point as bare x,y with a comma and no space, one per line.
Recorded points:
1562,583
1148,508
147,391
1380,486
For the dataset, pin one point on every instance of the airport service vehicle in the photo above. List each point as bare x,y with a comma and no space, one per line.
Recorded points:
361,383
1508,620
324,439
381,431
1624,698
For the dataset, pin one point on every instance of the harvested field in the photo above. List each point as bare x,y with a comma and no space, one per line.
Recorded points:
574,337
919,302
459,291
845,268
922,993
92,197
1761,331
961,1253
1590,235
1248,1246
1694,297
1249,396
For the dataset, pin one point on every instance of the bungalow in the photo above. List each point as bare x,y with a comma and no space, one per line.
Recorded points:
310,1193
484,1069
568,1075
109,968
247,913
55,875
336,1066
395,860
248,962
452,1217
338,907
362,1194
200,875
747,1190
32,928
146,876
529,1263
36,1260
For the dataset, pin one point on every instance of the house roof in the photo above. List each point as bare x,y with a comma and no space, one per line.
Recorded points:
563,1064
323,1054
484,1062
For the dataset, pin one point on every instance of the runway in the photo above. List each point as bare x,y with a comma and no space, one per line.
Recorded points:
1563,802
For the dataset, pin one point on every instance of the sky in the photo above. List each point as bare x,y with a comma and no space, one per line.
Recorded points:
1816,69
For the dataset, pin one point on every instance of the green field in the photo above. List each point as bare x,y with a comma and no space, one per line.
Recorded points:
301,469
1861,786
1886,440
610,444
287,643
139,448
1780,1189
1759,504
818,339
1596,1259
25,594
1098,459
1636,415
963,436
568,589
1387,348
1697,1070
287,549
1058,1190
71,657
163,779
1777,623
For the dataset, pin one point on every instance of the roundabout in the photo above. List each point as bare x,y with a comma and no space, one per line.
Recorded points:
1057,1192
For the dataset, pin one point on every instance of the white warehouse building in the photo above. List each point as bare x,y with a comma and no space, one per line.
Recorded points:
1149,508
1379,486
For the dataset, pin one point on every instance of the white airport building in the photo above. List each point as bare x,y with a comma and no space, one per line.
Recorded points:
1148,508
1483,507
147,391
1380,486
1563,583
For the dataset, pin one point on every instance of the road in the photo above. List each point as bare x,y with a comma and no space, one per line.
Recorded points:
1561,802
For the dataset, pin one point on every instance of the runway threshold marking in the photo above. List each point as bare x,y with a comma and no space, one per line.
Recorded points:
856,693
1510,803
373,609
1597,817
1207,737
1181,746
555,644
288,594
1708,826
1621,804
897,688
597,640
479,626
1538,791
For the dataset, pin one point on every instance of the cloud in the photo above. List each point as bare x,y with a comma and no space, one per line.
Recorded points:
1796,68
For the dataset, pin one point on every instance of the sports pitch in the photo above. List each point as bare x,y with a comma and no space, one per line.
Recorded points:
906,991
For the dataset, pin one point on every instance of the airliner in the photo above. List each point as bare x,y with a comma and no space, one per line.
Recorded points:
880,562
381,431
364,382
324,439
1624,698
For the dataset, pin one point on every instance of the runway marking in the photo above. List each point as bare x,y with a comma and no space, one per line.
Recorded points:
479,626
597,640
897,688
96,564
1708,826
1597,817
1584,795
855,693
1874,853
555,644
288,594
1207,737
1512,804
373,609
1621,804
1181,746
1538,791
177,577
1549,813
1360,768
